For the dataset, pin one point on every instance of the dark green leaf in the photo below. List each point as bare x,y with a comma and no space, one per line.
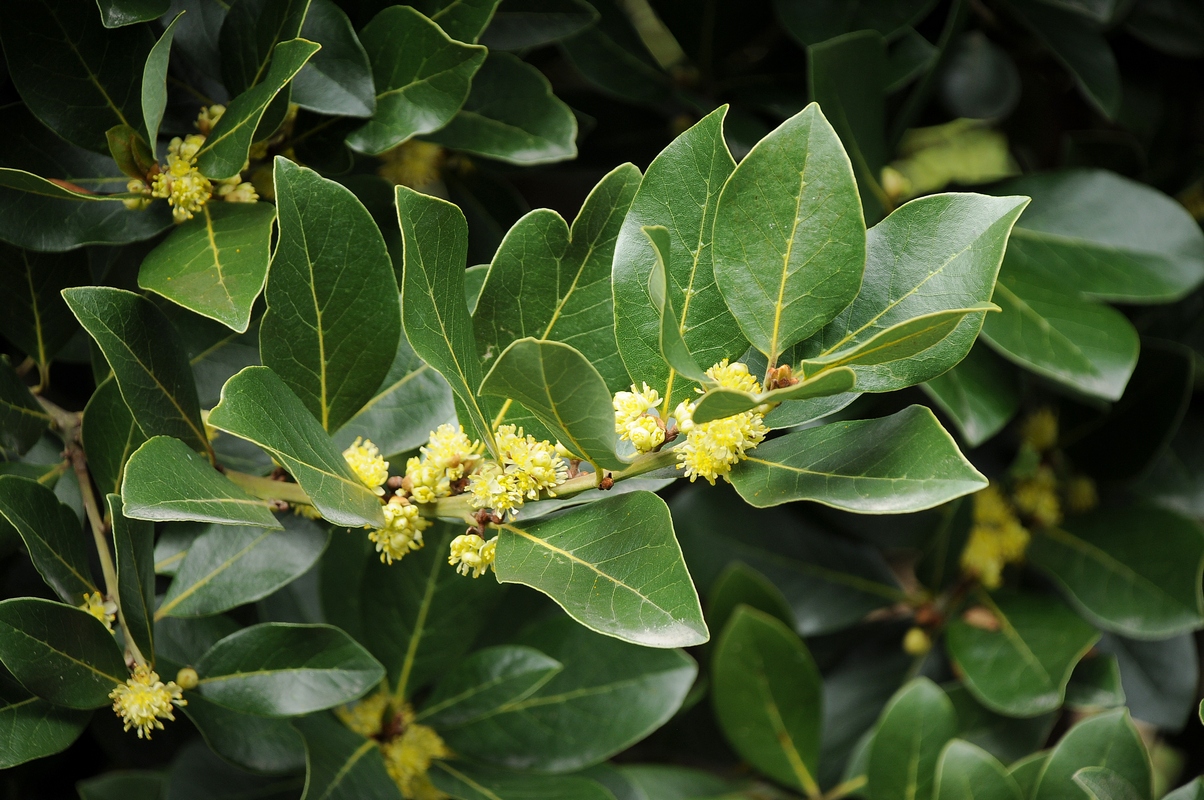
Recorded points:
215,263
22,419
422,78
740,584
768,697
611,55
469,782
282,670
511,115
341,764
147,359
333,323
670,345
197,774
671,783
120,784
59,653
249,35
966,772
33,315
911,734
1005,738
110,436
32,728
980,395
1191,791
257,406
52,535
1102,783
519,24
154,77
338,80
130,151
1158,678
134,543
1171,26
262,744
1106,740
621,549
462,19
486,681
816,21
1095,684
116,13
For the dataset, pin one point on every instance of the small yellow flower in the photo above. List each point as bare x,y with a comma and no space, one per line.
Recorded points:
186,678
307,511
208,118
646,434
526,467
712,448
136,186
1081,495
996,538
104,610
630,406
409,756
1037,496
235,190
143,700
402,533
734,376
365,717
414,164
447,457
1040,430
185,188
471,553
916,642
366,462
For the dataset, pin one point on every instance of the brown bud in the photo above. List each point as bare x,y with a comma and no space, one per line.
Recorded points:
982,618
606,483
927,616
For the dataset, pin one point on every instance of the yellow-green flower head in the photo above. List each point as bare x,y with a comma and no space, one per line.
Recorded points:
208,118
471,553
136,186
713,448
1040,430
185,188
630,406
492,487
734,376
365,717
402,533
646,434
366,462
409,756
527,467
916,642
104,610
447,457
414,164
144,700
1081,494
996,538
1037,496
235,190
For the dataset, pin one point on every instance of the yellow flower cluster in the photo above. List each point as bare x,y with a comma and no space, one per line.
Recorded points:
635,419
408,752
143,700
365,717
369,466
996,538
446,459
402,533
414,164
712,448
1040,430
1080,494
471,553
185,188
525,467
1037,496
104,610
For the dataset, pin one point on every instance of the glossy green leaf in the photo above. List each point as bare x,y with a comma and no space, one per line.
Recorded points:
671,346
1113,238
147,360
695,165
718,402
463,20
1005,738
1045,327
122,783
422,78
669,783
484,682
168,481
471,782
511,115
331,282
1095,684
789,237
74,75
1191,791
1022,668
814,22
980,395
130,151
896,464
134,546
341,764
33,315
227,146
519,24
1134,570
198,774
262,744
59,653
550,281
154,76
257,406
228,566
31,728
967,772
614,566
250,33
740,584
116,13
22,419
768,696
338,79
282,670
215,263
608,696
110,436
52,535
912,733
611,55
1157,678
564,391
1105,740
1102,783
435,318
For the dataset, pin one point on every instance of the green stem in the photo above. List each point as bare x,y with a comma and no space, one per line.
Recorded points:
846,788
269,489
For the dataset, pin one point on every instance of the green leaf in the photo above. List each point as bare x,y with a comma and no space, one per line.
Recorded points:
511,115
122,783
1102,783
22,419
1116,240
967,772
1158,678
1095,684
261,744
168,481
341,764
227,147
134,542
472,782
897,464
331,283
422,78
694,166
1105,740
1005,738
1134,570
612,56
250,33
740,584
154,77
1022,668
548,281
718,403
32,728
1045,327
462,19
147,359
768,696
1190,791
215,263
110,435
564,391
130,151
283,670
815,22
33,315
486,681
936,254
74,75
116,13
980,395
620,548
198,774
789,236
670,345
1027,770
338,80
435,318
520,24
230,566
59,653
52,535
257,406
912,732
670,783
608,696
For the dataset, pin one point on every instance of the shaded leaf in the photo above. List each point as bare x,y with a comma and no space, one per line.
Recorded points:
1157,677
341,764
740,584
262,744
1102,783
52,535
486,681
980,395
110,436
154,76
1105,740
33,315
22,419
250,33
116,13
462,19
813,22
134,543
966,772
911,735
519,24
338,79
32,728
472,782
